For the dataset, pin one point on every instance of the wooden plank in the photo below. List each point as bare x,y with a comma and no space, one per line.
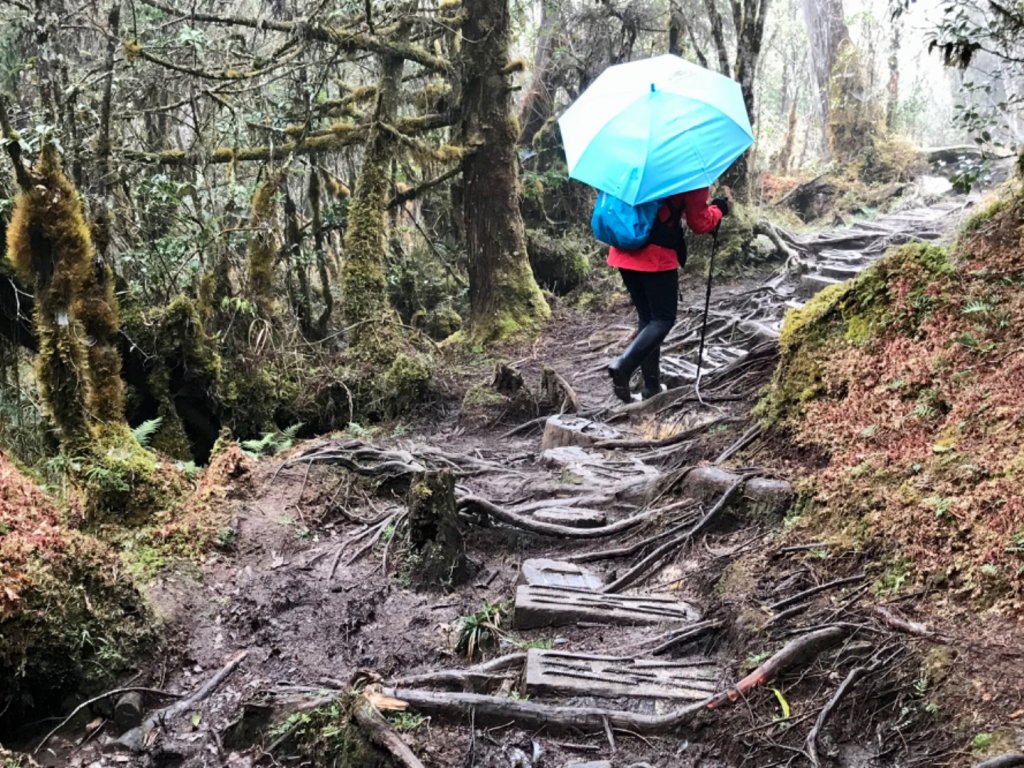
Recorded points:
542,572
561,672
540,606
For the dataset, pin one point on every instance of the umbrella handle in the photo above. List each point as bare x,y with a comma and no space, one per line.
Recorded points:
707,306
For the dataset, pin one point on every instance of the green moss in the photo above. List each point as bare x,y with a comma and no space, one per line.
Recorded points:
49,243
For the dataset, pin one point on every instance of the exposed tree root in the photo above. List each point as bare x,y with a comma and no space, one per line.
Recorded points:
377,730
797,651
500,710
638,570
811,744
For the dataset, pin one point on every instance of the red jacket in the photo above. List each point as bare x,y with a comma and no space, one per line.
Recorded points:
701,218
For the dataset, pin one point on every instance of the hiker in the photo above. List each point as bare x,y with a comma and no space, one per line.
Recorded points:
651,277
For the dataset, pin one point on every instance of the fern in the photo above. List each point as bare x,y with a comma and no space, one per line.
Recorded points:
976,307
272,442
145,431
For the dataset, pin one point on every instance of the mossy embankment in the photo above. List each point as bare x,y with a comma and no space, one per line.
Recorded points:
909,381
69,619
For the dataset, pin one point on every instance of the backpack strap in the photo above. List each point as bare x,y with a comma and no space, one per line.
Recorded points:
670,234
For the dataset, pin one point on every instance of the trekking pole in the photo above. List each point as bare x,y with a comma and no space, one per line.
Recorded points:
707,306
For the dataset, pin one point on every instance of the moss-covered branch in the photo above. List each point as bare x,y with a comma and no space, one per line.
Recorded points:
336,137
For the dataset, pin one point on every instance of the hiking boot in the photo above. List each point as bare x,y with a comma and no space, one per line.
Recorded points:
620,381
650,391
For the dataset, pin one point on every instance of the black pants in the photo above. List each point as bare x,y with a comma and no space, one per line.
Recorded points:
655,296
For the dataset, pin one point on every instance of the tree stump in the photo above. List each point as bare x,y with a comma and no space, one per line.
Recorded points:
437,556
563,430
556,394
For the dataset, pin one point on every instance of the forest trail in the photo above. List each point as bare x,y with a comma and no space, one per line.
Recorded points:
596,575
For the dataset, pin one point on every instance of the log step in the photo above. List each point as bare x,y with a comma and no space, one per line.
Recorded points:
540,606
561,672
812,284
542,572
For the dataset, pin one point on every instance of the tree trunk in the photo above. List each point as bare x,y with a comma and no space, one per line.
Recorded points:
504,297
892,103
748,18
539,102
826,32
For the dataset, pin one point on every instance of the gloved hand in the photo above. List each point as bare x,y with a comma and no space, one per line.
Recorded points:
722,204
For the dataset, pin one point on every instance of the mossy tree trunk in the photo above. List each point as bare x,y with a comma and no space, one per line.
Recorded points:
504,297
48,241
263,245
434,534
363,283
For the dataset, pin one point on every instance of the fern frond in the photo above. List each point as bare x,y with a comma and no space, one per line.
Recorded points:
145,431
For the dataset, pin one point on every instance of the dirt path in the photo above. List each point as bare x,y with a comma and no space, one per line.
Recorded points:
608,554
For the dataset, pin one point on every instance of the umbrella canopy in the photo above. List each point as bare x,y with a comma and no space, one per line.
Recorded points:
652,128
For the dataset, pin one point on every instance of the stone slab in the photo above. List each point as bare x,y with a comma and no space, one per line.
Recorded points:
542,572
575,518
538,606
589,764
561,672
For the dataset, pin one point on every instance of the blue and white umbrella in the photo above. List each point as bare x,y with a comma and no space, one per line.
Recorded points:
652,128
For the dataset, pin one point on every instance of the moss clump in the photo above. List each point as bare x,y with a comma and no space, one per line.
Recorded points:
559,264
895,292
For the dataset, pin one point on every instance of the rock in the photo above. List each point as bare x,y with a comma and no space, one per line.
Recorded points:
761,248
542,572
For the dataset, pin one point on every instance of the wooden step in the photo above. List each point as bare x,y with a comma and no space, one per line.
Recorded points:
561,672
540,606
542,572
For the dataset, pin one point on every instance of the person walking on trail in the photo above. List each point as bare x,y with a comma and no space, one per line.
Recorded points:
650,274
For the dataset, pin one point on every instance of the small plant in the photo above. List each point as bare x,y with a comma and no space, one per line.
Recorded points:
479,630
226,538
272,443
981,742
407,721
145,431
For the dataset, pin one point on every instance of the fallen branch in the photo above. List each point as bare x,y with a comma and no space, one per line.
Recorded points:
798,651
909,627
811,744
476,678
136,738
500,710
638,570
93,700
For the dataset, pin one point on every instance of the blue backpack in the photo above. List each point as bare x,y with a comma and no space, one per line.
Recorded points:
624,226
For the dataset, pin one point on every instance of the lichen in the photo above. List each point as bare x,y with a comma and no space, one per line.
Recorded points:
263,244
